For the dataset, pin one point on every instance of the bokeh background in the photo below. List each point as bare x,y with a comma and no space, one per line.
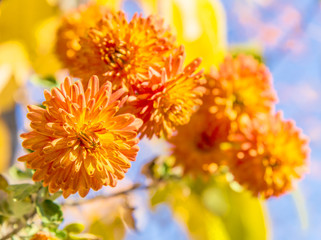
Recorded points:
285,34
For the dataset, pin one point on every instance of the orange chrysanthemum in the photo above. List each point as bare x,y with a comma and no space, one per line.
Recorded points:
198,145
77,141
121,51
42,236
169,98
74,25
272,154
241,86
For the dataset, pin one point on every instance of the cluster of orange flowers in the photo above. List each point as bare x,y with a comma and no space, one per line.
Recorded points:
237,127
86,136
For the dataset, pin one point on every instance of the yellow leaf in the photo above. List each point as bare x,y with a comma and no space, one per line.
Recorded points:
21,20
46,62
212,210
113,4
108,230
188,209
14,70
200,25
127,215
245,218
4,146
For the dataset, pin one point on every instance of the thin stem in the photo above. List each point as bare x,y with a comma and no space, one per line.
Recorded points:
132,188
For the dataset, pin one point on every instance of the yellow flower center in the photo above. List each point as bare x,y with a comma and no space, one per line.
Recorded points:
89,141
113,54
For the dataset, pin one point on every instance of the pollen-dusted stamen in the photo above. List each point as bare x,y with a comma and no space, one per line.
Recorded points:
272,155
77,141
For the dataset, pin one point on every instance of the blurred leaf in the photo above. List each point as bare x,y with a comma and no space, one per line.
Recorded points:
29,22
49,81
245,218
45,62
5,209
188,208
212,210
17,173
14,69
5,147
21,191
113,4
108,230
2,219
3,183
20,208
61,234
55,195
49,211
83,236
301,207
74,228
127,214
160,195
214,199
200,26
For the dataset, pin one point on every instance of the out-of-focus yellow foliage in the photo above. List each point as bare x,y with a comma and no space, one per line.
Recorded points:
108,228
4,146
245,218
46,63
214,212
113,4
200,26
102,217
188,208
30,22
14,69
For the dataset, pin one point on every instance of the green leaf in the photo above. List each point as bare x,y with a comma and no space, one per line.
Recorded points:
105,229
20,208
2,219
48,81
5,208
49,211
21,191
3,183
19,174
74,228
160,195
55,195
61,234
84,236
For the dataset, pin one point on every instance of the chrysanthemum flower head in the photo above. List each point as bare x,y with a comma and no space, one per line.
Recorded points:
169,98
121,51
199,145
77,141
272,155
74,25
42,236
242,85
